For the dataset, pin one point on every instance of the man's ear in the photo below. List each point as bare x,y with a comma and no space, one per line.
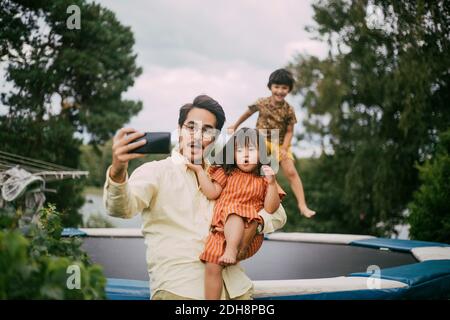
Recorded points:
179,136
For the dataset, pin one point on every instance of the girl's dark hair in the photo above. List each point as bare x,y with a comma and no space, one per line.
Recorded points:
243,137
207,103
281,76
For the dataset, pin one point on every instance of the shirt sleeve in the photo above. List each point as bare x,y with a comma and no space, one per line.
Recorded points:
125,200
291,118
274,221
255,106
218,175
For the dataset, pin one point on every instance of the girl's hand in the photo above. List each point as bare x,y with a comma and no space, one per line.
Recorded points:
194,167
269,174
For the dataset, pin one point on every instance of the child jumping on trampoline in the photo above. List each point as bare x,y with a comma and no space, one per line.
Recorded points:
241,192
276,114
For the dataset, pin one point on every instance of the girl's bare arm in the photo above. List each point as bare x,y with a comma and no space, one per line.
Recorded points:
272,200
209,188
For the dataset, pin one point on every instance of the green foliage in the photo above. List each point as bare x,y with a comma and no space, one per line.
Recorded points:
34,262
377,102
63,85
430,208
324,194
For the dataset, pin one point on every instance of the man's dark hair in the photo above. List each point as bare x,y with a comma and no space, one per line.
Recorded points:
281,76
207,103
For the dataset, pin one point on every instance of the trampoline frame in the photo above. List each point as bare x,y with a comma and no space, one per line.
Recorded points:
428,278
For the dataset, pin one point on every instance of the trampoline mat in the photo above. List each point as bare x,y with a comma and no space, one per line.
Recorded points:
276,260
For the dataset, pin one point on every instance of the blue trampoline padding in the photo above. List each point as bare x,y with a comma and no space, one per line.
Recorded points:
413,274
368,294
124,289
395,244
73,232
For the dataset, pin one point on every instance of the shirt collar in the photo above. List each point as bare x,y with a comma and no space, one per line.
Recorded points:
276,105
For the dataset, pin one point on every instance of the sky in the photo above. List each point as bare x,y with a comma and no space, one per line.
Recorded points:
225,49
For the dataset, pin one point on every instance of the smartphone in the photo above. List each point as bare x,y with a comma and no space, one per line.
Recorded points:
157,143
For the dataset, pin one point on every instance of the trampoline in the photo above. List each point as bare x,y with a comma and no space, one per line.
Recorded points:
295,266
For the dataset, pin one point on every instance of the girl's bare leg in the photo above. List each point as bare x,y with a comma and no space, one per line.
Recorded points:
249,234
213,281
233,230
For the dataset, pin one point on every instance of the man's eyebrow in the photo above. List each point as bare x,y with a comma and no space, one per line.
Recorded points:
205,126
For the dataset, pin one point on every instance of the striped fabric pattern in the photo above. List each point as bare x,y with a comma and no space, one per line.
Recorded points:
243,194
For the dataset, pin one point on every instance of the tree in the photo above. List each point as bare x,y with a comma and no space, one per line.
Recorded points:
64,85
378,102
430,208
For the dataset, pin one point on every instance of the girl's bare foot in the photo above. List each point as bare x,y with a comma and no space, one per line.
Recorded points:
229,257
308,213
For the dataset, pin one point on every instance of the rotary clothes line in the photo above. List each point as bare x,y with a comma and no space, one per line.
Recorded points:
27,177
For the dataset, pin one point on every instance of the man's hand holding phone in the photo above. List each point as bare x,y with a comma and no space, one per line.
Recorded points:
123,143
130,144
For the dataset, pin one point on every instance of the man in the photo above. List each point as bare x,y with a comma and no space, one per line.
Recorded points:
176,215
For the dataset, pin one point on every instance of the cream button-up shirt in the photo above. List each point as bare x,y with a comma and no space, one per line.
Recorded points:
176,217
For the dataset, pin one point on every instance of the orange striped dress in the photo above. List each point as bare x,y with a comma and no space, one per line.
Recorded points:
242,194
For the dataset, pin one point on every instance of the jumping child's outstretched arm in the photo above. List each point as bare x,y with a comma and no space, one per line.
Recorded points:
209,188
241,119
272,200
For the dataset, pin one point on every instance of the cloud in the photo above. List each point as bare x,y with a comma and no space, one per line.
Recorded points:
305,47
234,86
164,90
226,49
175,33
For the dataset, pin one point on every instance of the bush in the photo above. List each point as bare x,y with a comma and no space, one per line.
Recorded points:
37,263
430,208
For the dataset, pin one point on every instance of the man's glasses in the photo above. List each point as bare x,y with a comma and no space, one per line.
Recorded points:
208,133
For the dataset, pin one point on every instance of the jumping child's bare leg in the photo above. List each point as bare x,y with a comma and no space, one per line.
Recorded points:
296,185
249,234
213,281
233,231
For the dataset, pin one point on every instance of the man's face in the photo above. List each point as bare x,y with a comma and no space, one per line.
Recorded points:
279,92
196,133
